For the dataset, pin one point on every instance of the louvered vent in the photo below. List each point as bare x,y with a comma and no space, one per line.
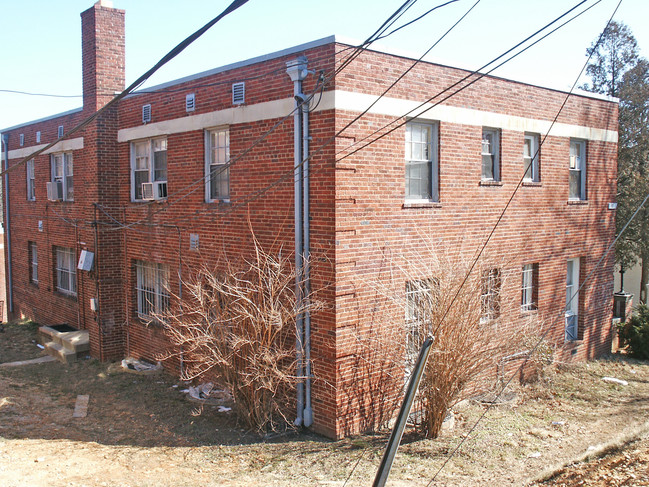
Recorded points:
146,113
22,140
60,132
238,93
190,102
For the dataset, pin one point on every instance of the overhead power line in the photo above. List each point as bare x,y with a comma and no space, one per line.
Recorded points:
168,57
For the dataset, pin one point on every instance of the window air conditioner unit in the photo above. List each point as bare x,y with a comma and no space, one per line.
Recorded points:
54,190
156,190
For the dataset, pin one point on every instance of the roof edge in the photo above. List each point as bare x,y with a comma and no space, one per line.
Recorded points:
39,120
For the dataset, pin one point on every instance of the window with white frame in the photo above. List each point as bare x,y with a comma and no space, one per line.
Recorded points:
62,174
422,171
420,301
31,180
577,169
490,295
152,282
33,262
66,271
529,287
148,164
572,299
490,154
217,169
531,156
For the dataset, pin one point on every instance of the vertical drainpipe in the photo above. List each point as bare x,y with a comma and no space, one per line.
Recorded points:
306,262
10,287
296,69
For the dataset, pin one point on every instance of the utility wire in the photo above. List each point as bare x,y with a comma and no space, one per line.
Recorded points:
596,267
223,167
289,174
168,57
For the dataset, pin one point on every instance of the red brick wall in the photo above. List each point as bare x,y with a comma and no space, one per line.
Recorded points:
359,225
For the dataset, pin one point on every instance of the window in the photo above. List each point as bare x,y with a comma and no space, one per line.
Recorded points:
217,170
38,137
33,262
421,162
490,296
577,170
572,299
31,180
152,284
420,300
529,287
62,173
22,139
490,154
66,271
531,156
148,164
59,132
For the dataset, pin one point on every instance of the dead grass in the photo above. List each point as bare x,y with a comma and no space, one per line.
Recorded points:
140,431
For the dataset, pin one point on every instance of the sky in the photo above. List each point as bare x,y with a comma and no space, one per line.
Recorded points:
41,39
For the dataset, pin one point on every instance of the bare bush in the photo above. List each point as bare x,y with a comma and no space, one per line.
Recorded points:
237,324
474,323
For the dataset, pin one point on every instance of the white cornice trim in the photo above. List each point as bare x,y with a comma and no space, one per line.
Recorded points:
64,145
358,102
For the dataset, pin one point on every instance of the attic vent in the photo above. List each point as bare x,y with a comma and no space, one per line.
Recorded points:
38,137
190,102
22,140
238,93
59,134
146,113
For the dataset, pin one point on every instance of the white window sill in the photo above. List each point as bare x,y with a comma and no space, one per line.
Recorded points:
577,202
224,201
421,204
531,183
490,182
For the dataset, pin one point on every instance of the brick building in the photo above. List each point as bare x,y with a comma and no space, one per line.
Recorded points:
142,189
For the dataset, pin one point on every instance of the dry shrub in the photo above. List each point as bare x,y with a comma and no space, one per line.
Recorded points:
238,324
469,318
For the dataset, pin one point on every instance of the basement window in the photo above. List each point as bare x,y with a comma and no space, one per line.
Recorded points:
490,295
66,271
152,284
33,263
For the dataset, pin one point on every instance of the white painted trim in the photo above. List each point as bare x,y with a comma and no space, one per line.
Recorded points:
358,102
395,107
63,146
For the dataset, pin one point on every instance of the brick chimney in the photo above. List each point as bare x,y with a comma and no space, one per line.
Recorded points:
102,48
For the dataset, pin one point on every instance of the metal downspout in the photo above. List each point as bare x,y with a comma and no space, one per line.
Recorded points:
306,262
10,287
297,73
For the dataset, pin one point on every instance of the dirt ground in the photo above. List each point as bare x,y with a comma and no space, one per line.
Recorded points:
142,431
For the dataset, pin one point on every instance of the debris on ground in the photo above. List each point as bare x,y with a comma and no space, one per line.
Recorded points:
613,380
208,394
81,406
136,366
